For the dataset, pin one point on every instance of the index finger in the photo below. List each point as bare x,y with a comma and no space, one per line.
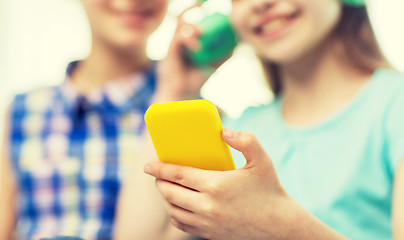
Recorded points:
196,4
189,177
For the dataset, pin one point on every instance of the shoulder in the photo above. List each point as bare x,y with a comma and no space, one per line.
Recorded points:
253,112
34,101
389,82
29,113
390,75
385,89
389,85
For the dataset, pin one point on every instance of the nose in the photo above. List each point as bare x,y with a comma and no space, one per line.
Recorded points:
261,6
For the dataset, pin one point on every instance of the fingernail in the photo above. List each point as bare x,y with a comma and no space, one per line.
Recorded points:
186,31
229,133
147,169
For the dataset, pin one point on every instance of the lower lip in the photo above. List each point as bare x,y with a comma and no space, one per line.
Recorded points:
133,20
279,32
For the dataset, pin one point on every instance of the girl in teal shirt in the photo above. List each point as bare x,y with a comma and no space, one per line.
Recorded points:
323,160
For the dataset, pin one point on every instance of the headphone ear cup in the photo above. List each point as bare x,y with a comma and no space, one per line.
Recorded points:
354,3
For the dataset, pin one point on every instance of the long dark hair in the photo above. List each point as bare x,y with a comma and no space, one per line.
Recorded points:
359,46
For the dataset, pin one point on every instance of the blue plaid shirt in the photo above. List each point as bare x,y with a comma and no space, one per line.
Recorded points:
69,154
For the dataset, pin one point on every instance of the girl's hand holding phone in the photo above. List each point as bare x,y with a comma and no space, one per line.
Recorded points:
223,204
248,203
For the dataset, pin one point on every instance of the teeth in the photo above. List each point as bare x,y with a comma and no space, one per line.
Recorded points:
274,25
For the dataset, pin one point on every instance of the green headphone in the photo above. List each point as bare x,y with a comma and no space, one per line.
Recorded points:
354,3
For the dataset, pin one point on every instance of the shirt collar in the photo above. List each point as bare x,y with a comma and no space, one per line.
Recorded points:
121,95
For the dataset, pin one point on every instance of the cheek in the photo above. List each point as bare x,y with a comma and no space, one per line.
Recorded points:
324,14
238,21
319,18
162,12
96,11
321,22
163,4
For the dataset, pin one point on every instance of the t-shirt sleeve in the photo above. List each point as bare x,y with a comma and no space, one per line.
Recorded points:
395,131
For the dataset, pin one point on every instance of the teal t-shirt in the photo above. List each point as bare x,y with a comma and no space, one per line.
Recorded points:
342,169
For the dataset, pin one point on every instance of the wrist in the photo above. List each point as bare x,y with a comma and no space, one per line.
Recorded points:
295,222
160,97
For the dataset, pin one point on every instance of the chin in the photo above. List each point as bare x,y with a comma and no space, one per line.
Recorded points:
126,42
131,43
279,57
285,53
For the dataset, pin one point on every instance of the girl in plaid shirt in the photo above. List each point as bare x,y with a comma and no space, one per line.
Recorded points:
69,147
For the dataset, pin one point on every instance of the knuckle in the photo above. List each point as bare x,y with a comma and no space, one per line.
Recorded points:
213,188
206,208
215,213
171,211
182,227
175,222
169,196
157,182
178,174
158,172
205,224
249,139
178,225
209,210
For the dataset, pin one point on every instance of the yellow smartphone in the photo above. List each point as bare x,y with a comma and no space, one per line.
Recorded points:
189,133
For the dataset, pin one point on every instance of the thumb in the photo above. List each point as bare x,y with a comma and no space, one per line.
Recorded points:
246,143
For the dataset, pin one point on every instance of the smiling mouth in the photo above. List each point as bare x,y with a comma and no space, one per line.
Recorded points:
275,25
134,18
144,14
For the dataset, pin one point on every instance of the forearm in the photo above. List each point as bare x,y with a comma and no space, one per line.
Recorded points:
141,212
7,216
8,192
298,223
7,199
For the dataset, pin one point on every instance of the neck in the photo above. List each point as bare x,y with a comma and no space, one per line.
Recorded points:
107,63
319,84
